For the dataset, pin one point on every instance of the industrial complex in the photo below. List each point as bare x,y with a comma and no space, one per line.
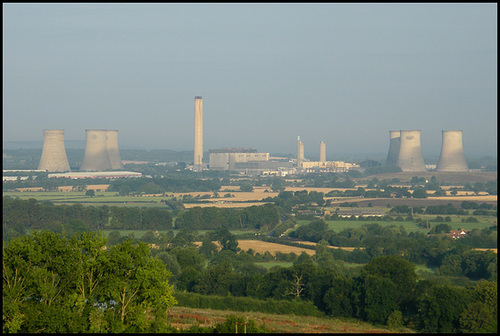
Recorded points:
102,154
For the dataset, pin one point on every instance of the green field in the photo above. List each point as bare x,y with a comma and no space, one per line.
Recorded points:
110,198
456,223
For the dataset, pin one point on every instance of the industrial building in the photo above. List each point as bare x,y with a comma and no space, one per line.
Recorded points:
246,160
328,166
85,175
53,157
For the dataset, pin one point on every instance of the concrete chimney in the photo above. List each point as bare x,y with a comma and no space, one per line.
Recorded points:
322,151
198,134
300,152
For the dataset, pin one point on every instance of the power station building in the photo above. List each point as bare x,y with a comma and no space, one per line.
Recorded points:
245,160
452,156
328,166
53,157
198,134
101,151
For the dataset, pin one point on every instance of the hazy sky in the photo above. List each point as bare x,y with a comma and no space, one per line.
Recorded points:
343,73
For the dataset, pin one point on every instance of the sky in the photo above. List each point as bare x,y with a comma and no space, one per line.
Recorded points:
346,74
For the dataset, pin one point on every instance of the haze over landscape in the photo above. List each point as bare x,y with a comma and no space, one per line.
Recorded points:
342,73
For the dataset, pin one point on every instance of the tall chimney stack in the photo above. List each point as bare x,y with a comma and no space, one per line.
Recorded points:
198,134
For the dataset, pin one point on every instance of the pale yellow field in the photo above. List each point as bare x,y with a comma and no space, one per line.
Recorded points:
481,198
222,205
262,246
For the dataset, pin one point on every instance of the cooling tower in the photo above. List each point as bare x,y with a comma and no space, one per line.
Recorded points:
113,151
322,151
96,156
452,153
410,156
53,157
198,133
395,141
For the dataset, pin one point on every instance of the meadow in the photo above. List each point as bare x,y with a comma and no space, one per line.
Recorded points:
184,318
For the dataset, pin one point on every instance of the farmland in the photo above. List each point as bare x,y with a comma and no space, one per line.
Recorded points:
184,318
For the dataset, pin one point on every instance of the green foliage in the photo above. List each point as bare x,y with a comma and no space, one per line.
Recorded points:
66,285
395,319
194,300
440,307
235,324
481,313
246,187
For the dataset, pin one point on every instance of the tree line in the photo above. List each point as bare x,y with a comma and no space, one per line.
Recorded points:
21,215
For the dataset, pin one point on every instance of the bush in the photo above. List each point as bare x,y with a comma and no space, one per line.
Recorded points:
194,300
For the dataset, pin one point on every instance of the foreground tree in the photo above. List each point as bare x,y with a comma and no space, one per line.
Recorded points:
55,284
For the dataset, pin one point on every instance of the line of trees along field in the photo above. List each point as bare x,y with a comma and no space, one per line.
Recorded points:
387,290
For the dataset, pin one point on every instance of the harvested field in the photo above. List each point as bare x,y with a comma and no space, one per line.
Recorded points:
262,246
222,205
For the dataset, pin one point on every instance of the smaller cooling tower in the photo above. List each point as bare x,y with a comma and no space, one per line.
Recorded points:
452,153
410,156
322,151
113,151
53,157
96,156
394,144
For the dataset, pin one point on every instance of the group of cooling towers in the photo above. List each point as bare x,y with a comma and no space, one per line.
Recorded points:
101,151
406,153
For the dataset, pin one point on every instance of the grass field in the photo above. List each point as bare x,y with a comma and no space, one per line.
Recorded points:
456,223
183,318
